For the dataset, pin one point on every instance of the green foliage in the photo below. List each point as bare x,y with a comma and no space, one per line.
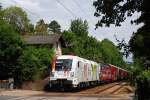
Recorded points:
17,18
69,42
111,53
18,60
41,27
144,75
139,44
10,49
134,72
82,45
31,29
116,11
79,27
33,63
92,49
54,27
0,6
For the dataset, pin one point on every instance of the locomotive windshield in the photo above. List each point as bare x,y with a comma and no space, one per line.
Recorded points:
63,65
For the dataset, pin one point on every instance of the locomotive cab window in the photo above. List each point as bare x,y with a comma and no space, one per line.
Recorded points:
63,65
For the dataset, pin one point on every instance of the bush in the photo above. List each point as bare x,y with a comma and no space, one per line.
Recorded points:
143,86
33,64
10,50
144,75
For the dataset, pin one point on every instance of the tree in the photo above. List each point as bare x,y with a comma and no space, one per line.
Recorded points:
92,49
54,27
69,43
111,54
31,28
41,27
10,49
33,63
17,18
79,43
79,27
1,13
115,12
0,6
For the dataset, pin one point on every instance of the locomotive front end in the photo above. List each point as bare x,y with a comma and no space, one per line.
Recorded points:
63,75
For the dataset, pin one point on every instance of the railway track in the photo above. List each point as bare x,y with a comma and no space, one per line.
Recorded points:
112,90
100,88
119,88
107,89
104,90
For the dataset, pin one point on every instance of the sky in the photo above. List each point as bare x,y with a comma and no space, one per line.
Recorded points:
64,11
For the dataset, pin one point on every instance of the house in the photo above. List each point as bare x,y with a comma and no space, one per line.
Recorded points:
50,39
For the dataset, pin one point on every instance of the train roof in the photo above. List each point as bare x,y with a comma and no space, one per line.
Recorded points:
118,67
75,57
66,57
86,60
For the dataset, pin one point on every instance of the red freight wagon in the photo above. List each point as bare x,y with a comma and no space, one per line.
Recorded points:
114,72
118,73
122,74
105,73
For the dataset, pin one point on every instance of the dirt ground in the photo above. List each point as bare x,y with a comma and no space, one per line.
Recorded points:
116,90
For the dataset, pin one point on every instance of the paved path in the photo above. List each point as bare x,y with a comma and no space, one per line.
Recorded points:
113,91
57,98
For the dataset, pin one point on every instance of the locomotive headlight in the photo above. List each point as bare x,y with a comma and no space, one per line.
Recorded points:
72,74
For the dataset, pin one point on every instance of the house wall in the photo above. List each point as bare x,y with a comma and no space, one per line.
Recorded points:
57,49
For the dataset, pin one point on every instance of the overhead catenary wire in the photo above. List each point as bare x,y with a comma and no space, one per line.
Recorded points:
67,9
34,14
83,11
70,10
64,6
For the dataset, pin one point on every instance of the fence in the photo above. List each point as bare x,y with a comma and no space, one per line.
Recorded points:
7,84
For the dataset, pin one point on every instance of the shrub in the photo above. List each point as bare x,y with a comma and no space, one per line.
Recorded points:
33,64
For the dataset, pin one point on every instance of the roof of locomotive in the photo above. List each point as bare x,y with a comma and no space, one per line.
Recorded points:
66,57
74,57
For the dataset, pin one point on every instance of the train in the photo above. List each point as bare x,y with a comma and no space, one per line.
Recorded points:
76,72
